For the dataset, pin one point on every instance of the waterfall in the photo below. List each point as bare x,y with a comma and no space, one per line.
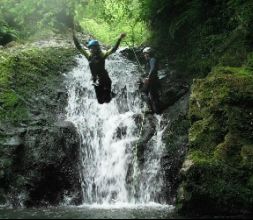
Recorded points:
109,133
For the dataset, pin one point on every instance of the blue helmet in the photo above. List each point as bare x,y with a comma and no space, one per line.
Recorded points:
93,43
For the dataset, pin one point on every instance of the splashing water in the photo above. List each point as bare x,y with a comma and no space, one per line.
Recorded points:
108,133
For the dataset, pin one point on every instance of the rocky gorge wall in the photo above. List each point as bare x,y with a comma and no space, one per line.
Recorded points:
216,177
208,157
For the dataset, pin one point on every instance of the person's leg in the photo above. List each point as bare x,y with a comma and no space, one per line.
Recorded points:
99,94
154,104
154,98
107,85
108,95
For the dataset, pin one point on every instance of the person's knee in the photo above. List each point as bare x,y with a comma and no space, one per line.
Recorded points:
108,99
101,101
100,98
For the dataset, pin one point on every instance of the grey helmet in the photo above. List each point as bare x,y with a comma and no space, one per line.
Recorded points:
147,50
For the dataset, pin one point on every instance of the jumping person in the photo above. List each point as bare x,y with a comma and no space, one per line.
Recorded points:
96,57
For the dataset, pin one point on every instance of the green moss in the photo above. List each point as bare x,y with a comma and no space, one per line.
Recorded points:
199,157
206,134
235,71
9,99
25,71
249,62
179,127
212,187
229,150
222,88
221,113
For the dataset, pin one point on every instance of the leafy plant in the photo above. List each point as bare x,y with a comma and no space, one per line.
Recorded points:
107,18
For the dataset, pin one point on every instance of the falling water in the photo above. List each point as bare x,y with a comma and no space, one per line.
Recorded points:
109,133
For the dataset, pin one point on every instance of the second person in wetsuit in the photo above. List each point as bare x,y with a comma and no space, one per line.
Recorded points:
151,83
96,57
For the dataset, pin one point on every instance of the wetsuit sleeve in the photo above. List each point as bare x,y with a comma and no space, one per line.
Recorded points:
153,64
79,47
112,50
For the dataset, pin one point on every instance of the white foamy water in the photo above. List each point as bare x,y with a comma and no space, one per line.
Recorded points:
108,133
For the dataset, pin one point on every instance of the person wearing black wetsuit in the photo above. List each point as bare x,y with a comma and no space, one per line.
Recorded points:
151,83
96,57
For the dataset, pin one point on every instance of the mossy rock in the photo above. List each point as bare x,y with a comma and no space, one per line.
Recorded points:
212,187
249,62
219,180
247,155
24,72
31,79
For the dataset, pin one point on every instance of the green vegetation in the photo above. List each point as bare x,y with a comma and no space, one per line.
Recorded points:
221,150
195,35
23,72
23,19
106,19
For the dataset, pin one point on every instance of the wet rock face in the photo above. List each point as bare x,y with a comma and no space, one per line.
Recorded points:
39,151
43,165
176,138
51,158
41,162
171,90
146,130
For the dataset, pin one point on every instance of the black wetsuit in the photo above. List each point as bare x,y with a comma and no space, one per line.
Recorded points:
98,71
151,68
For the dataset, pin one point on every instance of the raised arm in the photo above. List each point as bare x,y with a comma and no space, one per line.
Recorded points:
79,47
116,46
